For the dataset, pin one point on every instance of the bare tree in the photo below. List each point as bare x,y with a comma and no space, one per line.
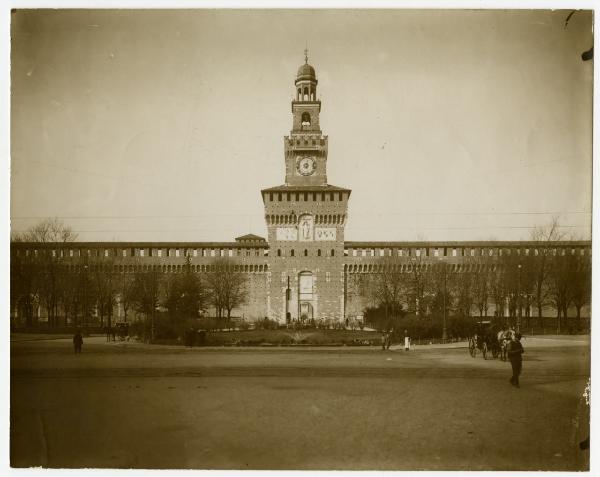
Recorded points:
419,283
68,297
48,230
559,285
442,289
546,238
47,282
184,294
510,271
464,285
498,291
388,289
482,282
106,288
23,272
226,286
581,283
126,291
77,294
46,270
145,295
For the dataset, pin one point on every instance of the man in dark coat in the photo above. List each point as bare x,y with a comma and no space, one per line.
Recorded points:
515,354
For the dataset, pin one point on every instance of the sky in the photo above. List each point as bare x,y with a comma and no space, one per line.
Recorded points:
164,125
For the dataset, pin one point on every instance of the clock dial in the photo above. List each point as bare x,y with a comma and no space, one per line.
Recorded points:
306,165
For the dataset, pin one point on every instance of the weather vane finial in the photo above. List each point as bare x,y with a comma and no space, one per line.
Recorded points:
306,54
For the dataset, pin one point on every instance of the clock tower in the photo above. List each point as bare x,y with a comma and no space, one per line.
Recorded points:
305,219
306,147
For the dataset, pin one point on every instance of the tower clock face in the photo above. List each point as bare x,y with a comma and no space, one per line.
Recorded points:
306,165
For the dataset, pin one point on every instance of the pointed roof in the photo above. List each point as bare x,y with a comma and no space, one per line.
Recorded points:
250,238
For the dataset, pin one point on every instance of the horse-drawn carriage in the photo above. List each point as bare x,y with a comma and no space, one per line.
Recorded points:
489,340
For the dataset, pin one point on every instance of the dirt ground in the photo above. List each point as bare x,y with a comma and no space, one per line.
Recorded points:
126,405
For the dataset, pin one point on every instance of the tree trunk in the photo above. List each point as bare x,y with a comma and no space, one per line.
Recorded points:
26,314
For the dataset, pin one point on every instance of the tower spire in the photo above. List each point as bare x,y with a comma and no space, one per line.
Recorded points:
306,54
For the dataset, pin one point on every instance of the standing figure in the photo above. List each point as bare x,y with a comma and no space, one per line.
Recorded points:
383,340
515,354
406,341
306,229
77,341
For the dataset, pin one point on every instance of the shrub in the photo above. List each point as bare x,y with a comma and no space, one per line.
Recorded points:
138,328
266,324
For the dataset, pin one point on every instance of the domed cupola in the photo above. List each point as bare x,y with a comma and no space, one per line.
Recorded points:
306,81
306,72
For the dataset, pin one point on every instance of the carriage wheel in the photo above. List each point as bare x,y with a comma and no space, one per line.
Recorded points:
485,350
472,348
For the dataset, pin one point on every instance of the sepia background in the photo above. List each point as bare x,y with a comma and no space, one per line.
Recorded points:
153,125
164,125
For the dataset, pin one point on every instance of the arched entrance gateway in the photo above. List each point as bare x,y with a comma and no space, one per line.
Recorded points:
305,297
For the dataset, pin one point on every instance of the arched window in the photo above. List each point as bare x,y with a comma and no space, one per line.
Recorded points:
305,119
305,96
305,253
319,253
292,252
332,252
279,252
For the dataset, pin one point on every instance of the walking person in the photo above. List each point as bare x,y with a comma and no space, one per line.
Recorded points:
77,341
383,340
406,341
515,354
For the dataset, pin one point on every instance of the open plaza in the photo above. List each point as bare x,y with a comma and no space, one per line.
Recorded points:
133,405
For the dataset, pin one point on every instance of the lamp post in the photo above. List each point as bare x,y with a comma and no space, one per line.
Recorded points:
519,300
287,302
85,286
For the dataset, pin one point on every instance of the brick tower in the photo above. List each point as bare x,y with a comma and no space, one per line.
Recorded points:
305,220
